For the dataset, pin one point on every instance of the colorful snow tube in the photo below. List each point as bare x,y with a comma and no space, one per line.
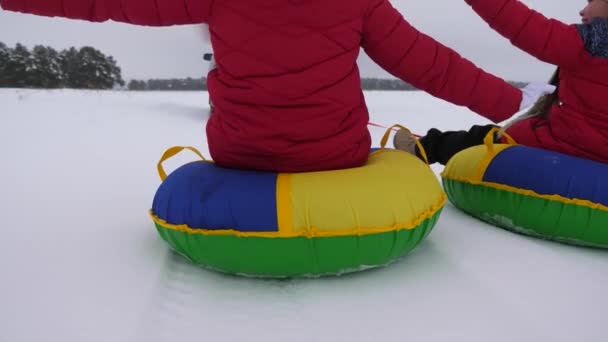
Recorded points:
300,224
532,191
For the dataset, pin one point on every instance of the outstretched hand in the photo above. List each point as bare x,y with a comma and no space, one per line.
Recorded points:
533,91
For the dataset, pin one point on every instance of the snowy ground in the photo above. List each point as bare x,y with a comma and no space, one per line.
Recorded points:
81,260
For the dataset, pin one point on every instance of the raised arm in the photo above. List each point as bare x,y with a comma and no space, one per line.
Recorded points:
139,12
430,66
549,40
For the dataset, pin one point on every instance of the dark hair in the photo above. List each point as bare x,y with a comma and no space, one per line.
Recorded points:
545,102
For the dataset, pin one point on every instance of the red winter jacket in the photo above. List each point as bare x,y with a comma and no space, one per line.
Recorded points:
578,124
287,92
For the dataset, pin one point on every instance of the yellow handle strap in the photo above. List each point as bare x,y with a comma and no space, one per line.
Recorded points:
170,152
388,133
490,153
489,139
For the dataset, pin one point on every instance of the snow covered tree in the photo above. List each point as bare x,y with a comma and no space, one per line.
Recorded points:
88,68
44,67
96,70
68,62
18,67
91,69
115,71
46,72
5,53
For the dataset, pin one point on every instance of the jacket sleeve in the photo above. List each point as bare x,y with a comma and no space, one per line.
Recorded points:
549,40
416,58
139,12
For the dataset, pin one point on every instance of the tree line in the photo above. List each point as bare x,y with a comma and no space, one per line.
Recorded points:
45,67
201,84
89,68
169,84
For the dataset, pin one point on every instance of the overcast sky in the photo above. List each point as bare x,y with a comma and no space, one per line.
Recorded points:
147,52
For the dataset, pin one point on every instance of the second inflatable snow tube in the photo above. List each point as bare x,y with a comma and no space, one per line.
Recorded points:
299,224
532,191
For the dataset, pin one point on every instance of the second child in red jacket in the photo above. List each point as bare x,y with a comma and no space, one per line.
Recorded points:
572,120
286,91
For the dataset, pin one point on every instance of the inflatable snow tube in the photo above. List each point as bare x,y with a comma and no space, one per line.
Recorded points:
301,224
532,191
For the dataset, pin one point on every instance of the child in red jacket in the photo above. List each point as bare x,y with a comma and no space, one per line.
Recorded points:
286,92
573,119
